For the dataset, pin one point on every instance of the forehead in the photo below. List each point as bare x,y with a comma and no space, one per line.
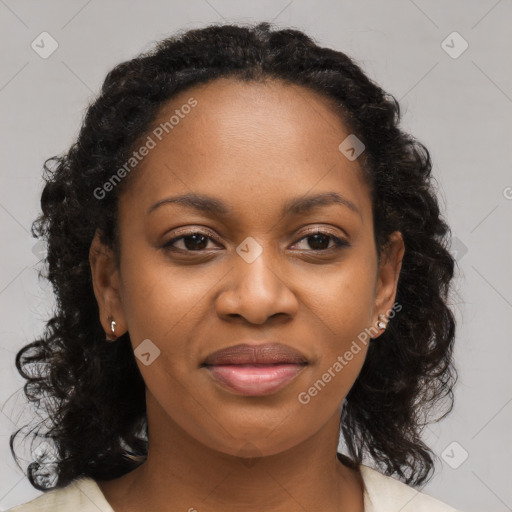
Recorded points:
251,139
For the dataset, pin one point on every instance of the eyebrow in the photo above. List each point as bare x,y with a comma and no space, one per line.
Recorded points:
301,205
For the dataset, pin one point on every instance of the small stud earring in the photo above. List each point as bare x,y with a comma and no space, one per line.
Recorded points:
381,323
113,324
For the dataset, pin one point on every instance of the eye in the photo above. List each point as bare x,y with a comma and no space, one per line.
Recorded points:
192,241
318,240
196,241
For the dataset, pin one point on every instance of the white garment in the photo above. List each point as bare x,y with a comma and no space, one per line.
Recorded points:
382,494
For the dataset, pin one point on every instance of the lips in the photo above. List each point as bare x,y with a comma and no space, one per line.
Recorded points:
255,370
268,353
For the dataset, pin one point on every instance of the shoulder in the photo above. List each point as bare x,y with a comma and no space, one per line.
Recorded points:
81,495
386,494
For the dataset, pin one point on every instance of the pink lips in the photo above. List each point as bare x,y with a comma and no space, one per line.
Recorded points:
255,370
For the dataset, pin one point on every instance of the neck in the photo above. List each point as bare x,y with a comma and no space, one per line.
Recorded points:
184,473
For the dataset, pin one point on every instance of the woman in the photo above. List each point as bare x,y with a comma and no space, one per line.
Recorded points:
262,245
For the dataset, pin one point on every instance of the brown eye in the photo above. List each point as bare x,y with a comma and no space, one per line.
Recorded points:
319,241
192,241
197,241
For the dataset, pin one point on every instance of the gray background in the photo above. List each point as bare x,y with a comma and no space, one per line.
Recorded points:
459,107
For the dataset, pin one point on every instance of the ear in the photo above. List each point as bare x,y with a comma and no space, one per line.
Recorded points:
388,274
105,280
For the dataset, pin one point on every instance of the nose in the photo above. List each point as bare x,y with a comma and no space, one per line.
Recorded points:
256,291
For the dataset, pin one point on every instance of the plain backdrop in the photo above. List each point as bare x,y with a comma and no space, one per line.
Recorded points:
457,100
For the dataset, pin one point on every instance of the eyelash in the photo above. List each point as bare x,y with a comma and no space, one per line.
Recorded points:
338,242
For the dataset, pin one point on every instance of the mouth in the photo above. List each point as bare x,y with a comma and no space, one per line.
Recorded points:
255,370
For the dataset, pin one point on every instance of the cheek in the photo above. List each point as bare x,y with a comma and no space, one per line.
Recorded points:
342,297
331,383
341,354
342,307
161,300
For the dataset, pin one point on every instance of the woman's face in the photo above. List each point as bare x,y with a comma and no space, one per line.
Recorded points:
253,273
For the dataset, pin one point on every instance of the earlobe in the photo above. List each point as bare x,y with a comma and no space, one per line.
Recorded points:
105,281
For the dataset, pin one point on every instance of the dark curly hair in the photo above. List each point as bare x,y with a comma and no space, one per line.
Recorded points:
92,393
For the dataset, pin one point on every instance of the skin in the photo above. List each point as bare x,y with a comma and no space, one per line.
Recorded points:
253,146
